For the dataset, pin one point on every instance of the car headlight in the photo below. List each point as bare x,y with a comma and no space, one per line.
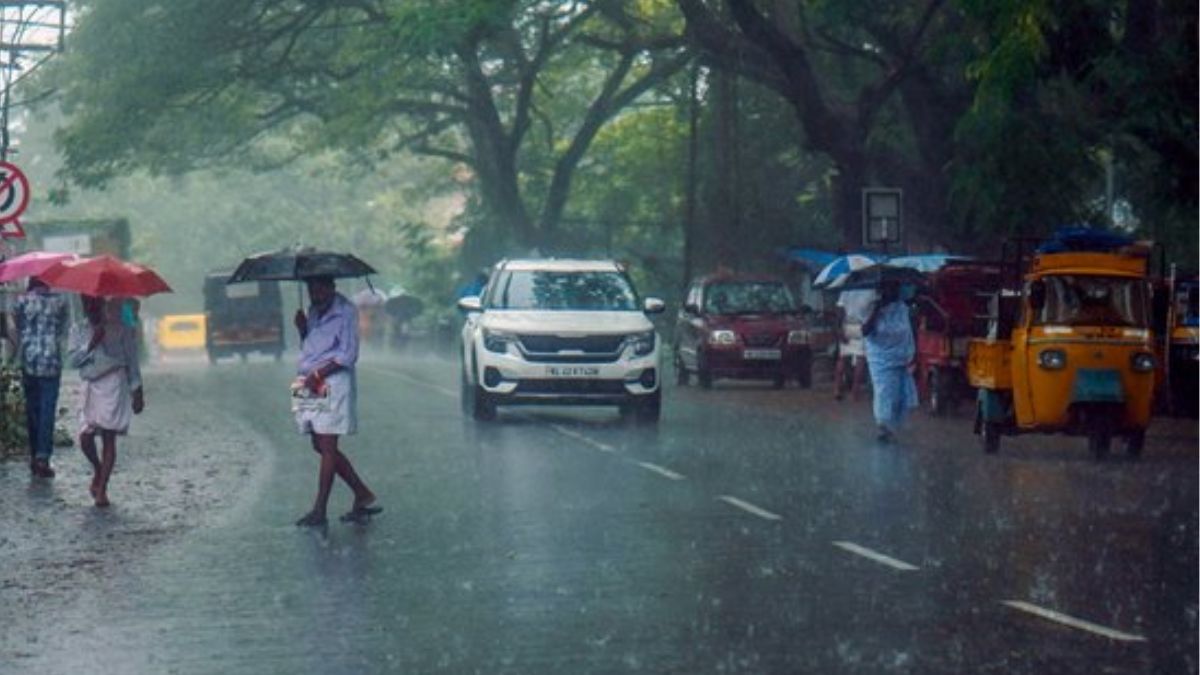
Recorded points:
642,343
1142,362
1052,359
722,337
496,342
797,337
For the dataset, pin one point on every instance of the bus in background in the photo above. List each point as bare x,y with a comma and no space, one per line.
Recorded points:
242,318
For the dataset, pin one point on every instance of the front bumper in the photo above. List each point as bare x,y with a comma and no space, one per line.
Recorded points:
510,379
739,362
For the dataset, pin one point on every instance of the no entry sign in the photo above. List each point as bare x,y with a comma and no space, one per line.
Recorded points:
14,197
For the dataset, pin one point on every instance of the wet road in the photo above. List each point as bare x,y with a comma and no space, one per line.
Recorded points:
753,531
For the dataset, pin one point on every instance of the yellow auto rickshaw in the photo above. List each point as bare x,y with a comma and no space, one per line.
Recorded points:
1079,355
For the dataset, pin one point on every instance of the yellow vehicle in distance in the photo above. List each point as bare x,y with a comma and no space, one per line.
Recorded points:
179,332
1079,355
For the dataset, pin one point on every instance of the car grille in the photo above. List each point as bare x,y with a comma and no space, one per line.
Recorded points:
583,349
761,339
571,386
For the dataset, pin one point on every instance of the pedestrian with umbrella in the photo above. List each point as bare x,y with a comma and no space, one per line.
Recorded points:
104,348
324,393
42,320
891,350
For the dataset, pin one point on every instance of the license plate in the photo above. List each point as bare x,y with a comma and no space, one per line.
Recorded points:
762,355
572,371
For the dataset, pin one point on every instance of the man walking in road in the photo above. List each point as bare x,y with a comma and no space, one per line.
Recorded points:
325,393
41,317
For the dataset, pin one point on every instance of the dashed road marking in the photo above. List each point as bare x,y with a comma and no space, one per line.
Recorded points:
408,378
878,557
662,471
1071,621
603,447
750,508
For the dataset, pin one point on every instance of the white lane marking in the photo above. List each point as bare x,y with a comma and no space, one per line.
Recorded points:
750,508
662,471
441,390
1071,621
878,557
603,447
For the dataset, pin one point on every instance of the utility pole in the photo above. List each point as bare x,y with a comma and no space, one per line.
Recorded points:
31,31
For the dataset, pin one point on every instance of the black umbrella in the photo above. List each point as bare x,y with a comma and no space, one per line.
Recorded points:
298,264
873,276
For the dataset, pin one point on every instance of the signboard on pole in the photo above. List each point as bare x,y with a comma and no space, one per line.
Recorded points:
14,198
883,222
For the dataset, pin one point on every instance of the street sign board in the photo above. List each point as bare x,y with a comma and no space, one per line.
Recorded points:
883,222
14,198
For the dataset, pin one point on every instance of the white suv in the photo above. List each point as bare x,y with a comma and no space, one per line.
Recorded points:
560,332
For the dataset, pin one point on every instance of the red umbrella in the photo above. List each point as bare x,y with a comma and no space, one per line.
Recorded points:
31,264
104,275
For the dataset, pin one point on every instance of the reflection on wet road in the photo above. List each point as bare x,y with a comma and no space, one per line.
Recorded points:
751,531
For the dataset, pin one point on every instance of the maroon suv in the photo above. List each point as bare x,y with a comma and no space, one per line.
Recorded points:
745,327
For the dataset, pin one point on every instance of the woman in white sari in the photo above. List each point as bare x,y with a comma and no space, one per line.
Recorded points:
104,349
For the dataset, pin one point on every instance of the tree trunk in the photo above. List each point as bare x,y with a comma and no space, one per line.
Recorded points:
851,178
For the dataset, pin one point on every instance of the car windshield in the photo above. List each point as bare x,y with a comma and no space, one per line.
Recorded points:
564,291
748,297
1083,300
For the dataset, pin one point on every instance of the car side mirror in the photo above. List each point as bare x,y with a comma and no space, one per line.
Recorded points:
469,304
653,306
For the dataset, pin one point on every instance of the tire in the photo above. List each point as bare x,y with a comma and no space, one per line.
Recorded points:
936,386
1135,442
681,372
1099,443
990,436
779,381
804,371
474,401
649,409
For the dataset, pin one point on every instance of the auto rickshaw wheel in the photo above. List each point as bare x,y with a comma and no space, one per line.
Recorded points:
804,371
1134,443
1099,443
936,397
991,438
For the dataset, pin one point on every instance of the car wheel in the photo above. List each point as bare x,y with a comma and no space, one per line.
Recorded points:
649,408
779,381
681,372
475,401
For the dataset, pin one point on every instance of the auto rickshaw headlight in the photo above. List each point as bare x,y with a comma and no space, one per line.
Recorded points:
1142,362
1052,359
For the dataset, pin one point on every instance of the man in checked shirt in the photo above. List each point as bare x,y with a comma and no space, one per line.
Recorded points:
42,318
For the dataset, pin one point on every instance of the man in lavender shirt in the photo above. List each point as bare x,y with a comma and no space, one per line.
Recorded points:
328,353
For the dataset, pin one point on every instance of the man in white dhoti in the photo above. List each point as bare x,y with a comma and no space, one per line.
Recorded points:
327,390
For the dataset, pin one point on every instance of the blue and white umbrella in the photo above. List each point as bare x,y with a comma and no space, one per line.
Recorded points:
841,267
